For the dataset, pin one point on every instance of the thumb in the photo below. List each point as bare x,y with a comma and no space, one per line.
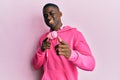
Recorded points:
61,41
46,39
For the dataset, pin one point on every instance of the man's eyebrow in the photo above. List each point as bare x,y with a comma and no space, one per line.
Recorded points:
50,11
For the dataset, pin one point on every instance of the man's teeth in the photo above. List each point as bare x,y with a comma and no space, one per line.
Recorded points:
51,21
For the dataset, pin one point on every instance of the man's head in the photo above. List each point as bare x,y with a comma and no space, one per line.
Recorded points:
52,16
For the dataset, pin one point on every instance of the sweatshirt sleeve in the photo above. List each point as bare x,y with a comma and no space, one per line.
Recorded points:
81,55
39,57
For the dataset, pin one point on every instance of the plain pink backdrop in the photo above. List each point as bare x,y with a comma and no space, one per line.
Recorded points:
21,25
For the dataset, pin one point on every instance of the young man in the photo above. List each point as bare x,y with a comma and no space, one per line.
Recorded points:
62,49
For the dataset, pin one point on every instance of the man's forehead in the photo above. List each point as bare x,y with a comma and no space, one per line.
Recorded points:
50,8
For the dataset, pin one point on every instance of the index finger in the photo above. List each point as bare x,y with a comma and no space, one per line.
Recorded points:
63,42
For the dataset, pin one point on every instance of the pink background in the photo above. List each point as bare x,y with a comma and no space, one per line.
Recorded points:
21,25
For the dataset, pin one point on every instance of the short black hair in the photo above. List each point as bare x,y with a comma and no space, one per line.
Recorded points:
51,4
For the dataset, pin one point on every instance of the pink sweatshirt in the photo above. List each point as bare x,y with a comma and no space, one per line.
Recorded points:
57,67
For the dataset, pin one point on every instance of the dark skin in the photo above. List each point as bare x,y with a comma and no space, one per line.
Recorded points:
52,17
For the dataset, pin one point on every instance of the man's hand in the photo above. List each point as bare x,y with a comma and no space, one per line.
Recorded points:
45,44
63,49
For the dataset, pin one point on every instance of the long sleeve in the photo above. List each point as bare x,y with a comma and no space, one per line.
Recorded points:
39,57
81,55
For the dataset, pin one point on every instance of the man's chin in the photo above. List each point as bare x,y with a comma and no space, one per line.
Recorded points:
51,26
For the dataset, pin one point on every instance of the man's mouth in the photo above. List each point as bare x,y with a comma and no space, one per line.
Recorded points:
51,21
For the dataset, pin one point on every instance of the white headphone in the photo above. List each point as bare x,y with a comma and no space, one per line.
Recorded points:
53,35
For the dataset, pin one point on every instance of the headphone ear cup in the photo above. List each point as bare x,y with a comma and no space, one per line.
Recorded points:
52,35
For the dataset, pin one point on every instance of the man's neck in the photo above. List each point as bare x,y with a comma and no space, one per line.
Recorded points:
57,28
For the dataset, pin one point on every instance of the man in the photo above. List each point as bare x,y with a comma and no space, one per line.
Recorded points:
62,49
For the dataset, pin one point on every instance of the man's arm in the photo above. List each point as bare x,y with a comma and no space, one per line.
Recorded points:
81,56
39,57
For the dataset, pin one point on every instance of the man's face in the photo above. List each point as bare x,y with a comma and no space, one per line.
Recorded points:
52,17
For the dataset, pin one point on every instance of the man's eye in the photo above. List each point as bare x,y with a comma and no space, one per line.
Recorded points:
45,15
52,13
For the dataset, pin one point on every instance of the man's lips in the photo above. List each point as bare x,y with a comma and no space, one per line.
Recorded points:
51,21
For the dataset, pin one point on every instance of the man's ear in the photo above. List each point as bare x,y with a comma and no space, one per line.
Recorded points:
60,13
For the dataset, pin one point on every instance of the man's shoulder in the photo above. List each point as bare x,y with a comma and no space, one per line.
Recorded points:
70,28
